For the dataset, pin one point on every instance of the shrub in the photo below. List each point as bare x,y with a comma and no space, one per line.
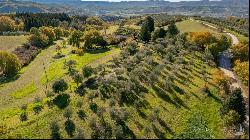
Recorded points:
242,70
59,85
37,108
9,64
159,33
62,100
26,53
23,116
78,78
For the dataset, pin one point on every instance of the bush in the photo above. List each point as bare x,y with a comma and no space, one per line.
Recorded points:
23,116
26,53
9,64
62,100
59,85
37,108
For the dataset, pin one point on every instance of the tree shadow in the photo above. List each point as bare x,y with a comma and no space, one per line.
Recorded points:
158,133
179,90
128,133
4,80
162,94
103,50
195,95
180,102
209,94
142,114
164,125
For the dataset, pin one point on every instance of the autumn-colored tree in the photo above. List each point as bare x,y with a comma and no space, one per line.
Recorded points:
241,51
75,38
200,38
94,21
49,32
58,32
242,70
9,64
39,40
93,37
7,24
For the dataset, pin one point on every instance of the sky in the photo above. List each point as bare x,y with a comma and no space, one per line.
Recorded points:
139,0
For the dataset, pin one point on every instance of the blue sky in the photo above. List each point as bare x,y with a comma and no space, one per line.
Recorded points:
139,0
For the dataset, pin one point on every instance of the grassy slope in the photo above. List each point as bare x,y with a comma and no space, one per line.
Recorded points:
174,116
31,76
9,43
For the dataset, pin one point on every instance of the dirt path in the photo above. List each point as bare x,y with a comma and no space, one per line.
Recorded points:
226,67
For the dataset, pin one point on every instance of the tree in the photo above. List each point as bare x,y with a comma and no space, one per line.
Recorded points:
241,51
39,40
49,32
70,127
70,64
60,85
242,70
68,113
75,38
87,71
201,39
9,64
145,35
231,118
159,33
62,100
54,127
93,37
94,21
172,29
150,24
7,24
236,102
58,32
78,78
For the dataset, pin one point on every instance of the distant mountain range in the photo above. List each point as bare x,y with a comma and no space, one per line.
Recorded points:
222,8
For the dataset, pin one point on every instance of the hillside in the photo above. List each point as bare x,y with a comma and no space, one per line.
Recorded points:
30,7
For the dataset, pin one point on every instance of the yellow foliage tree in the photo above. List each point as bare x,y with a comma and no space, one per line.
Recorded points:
242,70
201,38
241,51
7,24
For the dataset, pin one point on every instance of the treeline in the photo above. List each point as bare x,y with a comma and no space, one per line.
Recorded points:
239,25
42,19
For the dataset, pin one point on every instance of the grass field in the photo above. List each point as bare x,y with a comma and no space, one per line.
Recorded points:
9,43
